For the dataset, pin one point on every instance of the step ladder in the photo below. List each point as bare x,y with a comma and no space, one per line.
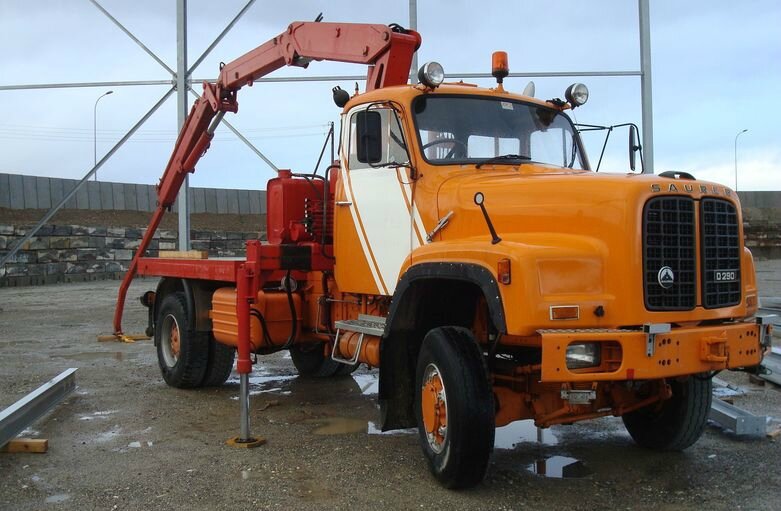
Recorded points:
364,325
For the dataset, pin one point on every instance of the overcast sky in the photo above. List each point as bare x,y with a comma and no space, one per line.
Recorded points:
716,71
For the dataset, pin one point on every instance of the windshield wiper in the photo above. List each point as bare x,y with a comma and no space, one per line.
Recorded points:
504,157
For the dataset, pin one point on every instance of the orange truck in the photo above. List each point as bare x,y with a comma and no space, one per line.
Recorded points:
461,244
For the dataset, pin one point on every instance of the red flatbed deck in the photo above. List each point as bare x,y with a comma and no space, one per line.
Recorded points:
223,270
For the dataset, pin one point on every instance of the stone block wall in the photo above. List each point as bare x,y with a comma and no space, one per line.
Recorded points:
75,253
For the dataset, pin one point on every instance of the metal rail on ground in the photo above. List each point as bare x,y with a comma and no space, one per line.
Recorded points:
20,415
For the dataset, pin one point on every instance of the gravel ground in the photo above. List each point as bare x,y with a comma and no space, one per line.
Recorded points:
124,440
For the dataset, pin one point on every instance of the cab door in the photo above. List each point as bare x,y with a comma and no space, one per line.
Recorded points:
374,231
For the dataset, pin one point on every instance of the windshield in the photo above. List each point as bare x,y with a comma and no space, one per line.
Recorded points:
469,129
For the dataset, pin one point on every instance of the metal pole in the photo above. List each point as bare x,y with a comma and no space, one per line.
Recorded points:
331,78
244,398
89,174
413,24
32,86
645,85
736,157
95,130
181,107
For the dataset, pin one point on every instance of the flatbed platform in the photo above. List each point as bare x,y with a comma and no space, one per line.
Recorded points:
221,269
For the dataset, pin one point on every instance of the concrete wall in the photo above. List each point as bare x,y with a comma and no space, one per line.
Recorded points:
75,253
32,192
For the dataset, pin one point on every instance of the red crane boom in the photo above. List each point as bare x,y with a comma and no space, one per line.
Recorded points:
387,50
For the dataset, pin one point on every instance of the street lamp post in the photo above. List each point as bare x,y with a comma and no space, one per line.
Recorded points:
736,157
95,129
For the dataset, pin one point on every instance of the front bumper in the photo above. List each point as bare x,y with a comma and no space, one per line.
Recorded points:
633,355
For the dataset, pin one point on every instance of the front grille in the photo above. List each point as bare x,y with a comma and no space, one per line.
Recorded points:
720,247
669,242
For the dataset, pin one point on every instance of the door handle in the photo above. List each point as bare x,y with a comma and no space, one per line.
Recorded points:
344,203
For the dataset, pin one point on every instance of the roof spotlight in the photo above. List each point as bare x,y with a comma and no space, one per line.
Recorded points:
431,74
576,94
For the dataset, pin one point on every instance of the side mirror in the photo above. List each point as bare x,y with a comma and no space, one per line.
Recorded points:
369,136
633,147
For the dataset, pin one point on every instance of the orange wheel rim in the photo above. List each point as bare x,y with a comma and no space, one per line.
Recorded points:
175,339
170,340
433,403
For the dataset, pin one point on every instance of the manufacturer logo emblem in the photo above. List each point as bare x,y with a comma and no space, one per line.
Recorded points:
665,277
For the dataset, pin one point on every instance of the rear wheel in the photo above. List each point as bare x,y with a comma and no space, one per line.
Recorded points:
220,363
678,422
310,361
181,353
454,407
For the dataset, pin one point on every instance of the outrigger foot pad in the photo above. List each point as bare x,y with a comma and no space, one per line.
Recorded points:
123,338
245,444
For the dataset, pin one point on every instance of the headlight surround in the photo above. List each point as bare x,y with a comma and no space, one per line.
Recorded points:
576,94
581,355
431,74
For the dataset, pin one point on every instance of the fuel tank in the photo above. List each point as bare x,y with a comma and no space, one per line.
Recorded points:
274,308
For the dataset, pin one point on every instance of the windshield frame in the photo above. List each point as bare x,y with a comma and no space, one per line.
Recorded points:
474,161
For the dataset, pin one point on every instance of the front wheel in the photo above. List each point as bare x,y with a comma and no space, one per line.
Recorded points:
454,407
676,423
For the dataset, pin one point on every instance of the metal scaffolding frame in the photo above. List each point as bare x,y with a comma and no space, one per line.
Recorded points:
181,80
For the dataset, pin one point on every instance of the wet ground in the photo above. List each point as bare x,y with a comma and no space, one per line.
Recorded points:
124,440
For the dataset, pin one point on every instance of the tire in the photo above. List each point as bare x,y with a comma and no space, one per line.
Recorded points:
311,362
220,363
451,377
181,354
676,423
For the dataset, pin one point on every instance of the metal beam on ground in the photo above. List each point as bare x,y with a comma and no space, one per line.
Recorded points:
772,364
738,420
181,110
20,415
84,179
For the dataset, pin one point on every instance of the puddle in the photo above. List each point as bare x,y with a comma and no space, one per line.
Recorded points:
264,383
369,383
338,426
107,436
507,437
559,467
56,499
97,415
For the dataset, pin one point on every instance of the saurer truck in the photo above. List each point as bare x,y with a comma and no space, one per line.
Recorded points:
461,244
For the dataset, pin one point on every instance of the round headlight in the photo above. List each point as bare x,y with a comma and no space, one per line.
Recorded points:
576,94
431,74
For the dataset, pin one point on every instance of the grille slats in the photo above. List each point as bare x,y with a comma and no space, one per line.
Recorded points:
720,246
669,241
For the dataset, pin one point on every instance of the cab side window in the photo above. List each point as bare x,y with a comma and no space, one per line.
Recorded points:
376,139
